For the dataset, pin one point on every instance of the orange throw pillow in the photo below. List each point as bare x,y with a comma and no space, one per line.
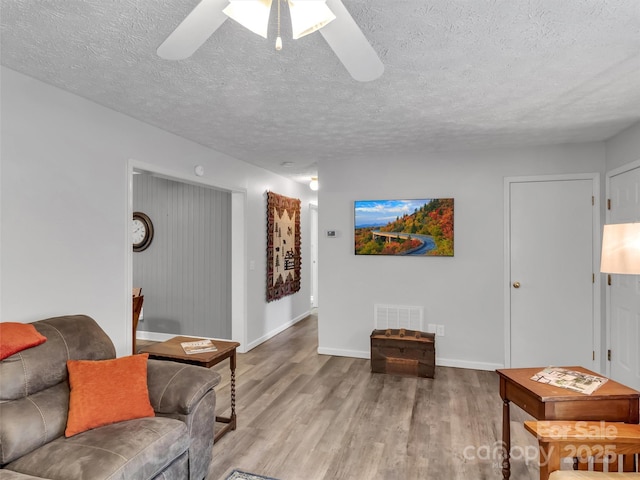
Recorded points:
15,337
107,391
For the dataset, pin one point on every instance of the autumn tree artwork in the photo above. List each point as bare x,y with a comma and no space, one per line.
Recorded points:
422,227
283,246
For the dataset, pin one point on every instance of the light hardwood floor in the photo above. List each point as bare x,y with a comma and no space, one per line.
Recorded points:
304,416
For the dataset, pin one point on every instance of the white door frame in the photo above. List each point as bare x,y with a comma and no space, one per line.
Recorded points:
595,178
313,216
238,245
608,175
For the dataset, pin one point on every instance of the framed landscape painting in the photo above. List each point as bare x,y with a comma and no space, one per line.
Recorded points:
421,227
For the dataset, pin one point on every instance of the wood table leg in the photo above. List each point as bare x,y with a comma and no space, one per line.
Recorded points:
506,440
230,422
232,366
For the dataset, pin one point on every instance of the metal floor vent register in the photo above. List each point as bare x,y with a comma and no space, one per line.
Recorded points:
398,316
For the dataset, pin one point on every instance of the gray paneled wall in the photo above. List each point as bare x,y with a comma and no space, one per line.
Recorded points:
185,274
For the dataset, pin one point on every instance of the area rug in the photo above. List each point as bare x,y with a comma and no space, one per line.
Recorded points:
240,475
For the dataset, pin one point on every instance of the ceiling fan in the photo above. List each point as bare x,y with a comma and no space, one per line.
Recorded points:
341,33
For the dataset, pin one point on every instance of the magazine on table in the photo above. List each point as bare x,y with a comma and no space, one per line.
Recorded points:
570,379
198,346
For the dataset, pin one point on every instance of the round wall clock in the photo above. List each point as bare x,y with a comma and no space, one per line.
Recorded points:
142,231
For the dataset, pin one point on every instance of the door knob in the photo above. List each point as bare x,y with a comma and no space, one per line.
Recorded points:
516,284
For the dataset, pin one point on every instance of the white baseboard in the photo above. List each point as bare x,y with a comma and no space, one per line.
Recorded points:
446,362
253,344
161,337
154,336
336,352
440,362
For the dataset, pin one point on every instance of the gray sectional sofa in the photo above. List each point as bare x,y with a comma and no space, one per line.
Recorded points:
176,443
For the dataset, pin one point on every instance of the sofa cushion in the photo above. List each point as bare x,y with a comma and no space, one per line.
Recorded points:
11,475
15,337
107,391
29,423
44,366
138,449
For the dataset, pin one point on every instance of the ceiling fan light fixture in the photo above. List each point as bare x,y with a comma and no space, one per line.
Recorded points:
307,16
251,14
333,20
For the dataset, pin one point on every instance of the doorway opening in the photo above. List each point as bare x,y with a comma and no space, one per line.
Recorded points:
194,281
185,271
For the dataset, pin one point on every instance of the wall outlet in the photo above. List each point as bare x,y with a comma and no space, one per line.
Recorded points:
440,330
431,328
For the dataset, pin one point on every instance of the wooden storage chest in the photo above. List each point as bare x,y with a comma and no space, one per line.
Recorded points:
403,352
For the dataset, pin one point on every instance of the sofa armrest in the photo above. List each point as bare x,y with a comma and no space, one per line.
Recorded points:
178,387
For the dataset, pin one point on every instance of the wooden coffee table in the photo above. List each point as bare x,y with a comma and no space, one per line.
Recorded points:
612,402
172,350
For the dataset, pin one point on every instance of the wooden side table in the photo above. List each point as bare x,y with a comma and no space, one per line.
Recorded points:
172,350
612,402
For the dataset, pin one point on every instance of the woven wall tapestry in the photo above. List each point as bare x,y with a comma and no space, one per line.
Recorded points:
283,246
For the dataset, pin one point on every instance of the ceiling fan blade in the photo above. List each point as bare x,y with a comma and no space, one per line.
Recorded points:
194,30
350,45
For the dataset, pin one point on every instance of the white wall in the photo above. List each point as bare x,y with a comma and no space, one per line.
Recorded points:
624,148
65,228
267,318
464,293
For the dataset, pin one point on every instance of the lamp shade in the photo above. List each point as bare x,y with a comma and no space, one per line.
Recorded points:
621,248
307,16
251,14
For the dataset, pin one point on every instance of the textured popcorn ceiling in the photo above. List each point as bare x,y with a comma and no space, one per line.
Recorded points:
458,74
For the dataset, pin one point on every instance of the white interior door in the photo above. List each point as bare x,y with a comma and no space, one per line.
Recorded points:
551,291
624,293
